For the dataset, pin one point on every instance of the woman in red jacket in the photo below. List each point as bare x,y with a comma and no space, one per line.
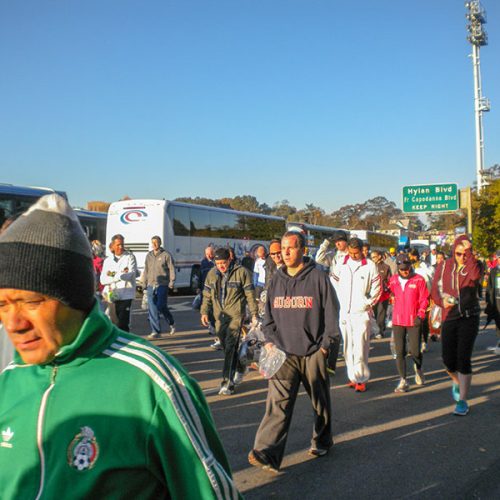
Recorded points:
454,288
411,296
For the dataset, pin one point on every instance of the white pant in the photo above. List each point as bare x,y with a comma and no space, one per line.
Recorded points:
355,328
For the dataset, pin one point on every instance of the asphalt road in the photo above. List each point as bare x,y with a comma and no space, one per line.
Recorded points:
387,445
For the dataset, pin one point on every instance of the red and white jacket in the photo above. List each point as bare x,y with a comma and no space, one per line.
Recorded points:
358,289
410,302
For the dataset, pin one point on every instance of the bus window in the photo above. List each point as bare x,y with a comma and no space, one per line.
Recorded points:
182,222
14,205
223,225
5,210
241,226
200,222
275,229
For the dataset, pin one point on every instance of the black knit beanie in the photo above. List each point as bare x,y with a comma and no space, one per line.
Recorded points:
46,251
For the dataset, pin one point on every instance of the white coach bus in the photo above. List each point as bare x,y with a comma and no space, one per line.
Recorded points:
315,235
186,230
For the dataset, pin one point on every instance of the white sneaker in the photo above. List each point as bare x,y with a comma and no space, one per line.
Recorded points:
154,335
419,376
217,346
424,347
402,386
172,330
226,390
238,378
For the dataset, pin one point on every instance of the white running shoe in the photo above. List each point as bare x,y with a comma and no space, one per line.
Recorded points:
419,376
217,346
226,390
402,386
154,335
172,330
238,378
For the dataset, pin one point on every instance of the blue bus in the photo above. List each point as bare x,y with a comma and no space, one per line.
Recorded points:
93,223
15,200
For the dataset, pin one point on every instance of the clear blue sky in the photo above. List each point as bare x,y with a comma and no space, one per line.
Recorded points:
315,101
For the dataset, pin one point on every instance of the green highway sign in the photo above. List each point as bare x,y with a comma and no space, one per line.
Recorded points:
431,198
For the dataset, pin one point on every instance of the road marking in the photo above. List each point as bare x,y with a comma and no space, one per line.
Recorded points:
211,390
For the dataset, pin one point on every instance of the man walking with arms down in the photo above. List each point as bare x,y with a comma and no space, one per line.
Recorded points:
159,277
357,282
228,289
301,319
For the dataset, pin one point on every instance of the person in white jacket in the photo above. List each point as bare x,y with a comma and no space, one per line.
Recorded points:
327,257
118,276
357,283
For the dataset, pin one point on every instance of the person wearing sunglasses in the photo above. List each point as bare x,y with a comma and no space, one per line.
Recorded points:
274,261
454,289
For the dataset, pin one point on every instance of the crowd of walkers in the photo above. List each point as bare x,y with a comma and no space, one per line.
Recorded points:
423,297
309,309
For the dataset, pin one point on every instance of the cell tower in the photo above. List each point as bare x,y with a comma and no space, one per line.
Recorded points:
476,16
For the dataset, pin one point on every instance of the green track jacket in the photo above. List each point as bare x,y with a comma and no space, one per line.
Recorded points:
113,417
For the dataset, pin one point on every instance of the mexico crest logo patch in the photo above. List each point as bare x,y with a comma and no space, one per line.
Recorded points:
83,450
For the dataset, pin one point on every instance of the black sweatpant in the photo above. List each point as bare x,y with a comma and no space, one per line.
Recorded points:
380,312
122,308
457,343
228,329
400,334
282,392
333,353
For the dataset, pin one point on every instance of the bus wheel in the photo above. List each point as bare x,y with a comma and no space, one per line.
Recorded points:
194,282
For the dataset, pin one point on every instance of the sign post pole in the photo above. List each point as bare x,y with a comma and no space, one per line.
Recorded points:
466,202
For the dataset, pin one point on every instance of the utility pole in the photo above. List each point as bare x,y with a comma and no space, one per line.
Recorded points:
478,37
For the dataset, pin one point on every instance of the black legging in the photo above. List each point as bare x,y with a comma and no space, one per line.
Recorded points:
457,342
380,312
400,333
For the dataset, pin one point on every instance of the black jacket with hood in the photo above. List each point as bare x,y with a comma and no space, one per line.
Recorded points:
301,311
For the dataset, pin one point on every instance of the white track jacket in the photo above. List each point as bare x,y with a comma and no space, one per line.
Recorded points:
123,281
357,284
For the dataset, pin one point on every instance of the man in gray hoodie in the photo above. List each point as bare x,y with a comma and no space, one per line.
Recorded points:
158,278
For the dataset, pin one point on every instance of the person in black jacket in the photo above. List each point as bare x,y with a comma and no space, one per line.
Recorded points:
493,302
302,320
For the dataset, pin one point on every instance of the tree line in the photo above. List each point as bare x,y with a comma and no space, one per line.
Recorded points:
374,214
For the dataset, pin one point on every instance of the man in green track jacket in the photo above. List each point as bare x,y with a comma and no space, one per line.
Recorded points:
228,289
88,410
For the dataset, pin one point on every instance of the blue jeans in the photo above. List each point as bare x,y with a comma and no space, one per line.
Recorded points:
157,304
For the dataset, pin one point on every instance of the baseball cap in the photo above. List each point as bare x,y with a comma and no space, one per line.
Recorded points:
403,261
221,254
340,235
